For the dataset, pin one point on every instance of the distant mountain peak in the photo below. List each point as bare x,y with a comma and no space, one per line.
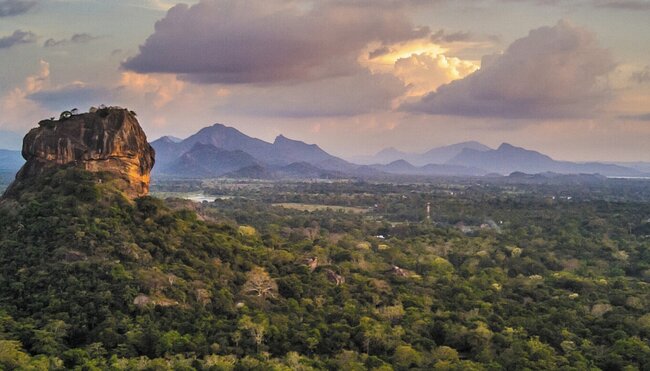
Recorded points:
507,146
389,151
169,139
223,142
471,143
400,163
217,128
280,139
508,159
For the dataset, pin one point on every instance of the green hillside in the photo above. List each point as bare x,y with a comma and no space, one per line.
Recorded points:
91,280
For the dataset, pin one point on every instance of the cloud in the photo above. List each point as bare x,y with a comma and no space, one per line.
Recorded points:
553,72
441,36
10,8
77,94
641,117
381,51
17,110
157,90
233,42
623,4
17,38
335,97
78,38
425,72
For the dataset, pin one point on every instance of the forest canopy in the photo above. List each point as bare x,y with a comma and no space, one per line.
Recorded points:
496,278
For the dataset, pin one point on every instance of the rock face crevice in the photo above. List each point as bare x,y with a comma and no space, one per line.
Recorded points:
103,140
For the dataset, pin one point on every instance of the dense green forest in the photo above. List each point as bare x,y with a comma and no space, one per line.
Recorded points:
499,277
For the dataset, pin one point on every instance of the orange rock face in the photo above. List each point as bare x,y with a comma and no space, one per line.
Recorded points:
106,140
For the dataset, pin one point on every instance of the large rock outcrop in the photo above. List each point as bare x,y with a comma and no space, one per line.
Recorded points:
103,140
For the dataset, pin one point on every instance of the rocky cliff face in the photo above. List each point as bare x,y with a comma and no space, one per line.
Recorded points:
104,140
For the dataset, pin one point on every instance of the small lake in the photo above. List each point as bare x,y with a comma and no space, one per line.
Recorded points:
192,196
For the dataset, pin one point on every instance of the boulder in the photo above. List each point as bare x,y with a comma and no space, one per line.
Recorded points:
103,140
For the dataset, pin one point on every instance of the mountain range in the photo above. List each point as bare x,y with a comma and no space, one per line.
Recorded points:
223,151
10,160
219,150
437,155
508,158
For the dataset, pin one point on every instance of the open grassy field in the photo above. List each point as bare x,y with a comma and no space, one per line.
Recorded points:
315,207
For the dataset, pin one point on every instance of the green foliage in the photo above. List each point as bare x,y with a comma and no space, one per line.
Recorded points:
92,280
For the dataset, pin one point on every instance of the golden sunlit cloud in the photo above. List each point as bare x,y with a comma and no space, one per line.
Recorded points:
422,65
382,58
426,72
161,89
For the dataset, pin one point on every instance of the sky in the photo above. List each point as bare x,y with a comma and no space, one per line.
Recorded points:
569,78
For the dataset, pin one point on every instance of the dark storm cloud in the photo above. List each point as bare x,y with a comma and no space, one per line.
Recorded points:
78,38
227,41
17,38
10,8
553,72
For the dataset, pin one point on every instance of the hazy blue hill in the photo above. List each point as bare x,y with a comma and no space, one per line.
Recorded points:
436,155
296,170
10,163
208,161
167,150
504,160
441,155
388,155
11,140
305,170
10,160
294,150
519,177
638,165
508,158
173,158
444,169
171,153
403,167
397,167
230,139
251,172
